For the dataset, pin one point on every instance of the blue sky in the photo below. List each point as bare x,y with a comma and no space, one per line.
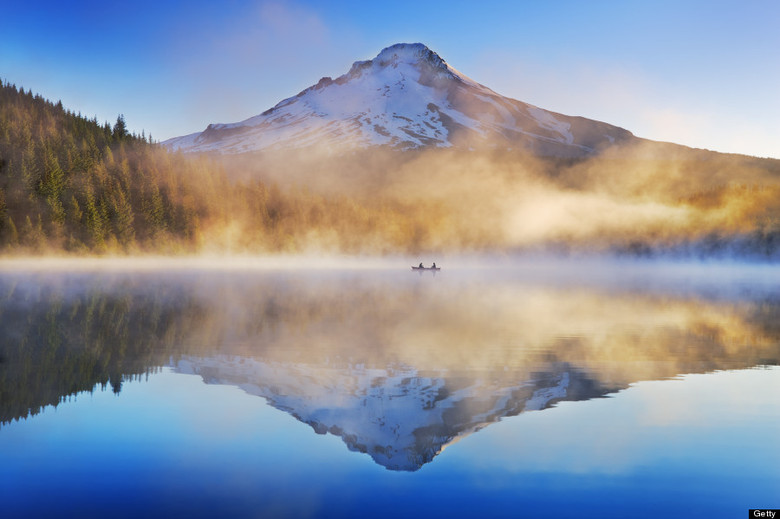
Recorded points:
701,73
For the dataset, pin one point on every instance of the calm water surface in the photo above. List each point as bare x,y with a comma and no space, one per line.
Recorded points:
596,390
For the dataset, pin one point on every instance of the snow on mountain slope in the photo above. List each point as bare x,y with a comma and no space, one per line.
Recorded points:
406,97
399,416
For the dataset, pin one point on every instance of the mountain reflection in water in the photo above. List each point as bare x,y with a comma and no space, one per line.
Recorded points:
397,366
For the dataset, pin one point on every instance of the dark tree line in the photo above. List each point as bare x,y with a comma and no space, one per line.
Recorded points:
54,345
70,183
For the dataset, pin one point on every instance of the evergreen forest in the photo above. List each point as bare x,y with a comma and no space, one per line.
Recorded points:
70,185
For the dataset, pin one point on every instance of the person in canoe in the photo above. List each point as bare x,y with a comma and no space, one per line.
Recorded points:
421,265
434,265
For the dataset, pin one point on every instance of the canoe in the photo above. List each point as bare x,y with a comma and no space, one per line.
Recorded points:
426,268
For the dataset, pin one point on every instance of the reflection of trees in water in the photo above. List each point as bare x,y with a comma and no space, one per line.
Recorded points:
65,338
68,333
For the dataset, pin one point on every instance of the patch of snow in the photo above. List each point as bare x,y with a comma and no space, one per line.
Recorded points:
181,143
542,396
547,120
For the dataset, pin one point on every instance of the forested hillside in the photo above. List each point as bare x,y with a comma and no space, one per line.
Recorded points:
69,184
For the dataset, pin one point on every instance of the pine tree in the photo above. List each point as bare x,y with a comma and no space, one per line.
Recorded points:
52,185
154,210
123,218
75,213
96,220
120,128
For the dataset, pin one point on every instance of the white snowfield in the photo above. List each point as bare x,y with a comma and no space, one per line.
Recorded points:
406,97
399,416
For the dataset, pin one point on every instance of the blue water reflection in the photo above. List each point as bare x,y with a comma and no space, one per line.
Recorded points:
505,399
175,445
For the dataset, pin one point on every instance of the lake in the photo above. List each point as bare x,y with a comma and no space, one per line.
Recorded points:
362,389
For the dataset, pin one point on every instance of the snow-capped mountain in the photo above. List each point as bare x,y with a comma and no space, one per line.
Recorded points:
406,97
399,416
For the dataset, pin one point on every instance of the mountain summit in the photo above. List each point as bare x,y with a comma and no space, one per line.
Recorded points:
406,97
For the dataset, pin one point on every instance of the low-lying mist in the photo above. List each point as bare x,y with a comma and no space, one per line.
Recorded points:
71,186
68,329
645,199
